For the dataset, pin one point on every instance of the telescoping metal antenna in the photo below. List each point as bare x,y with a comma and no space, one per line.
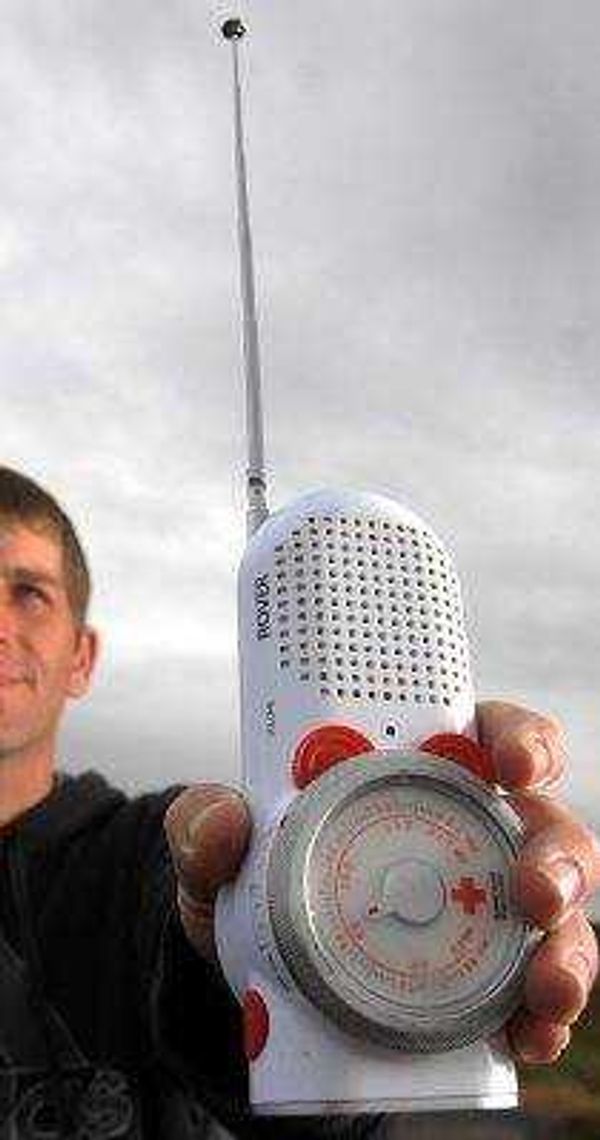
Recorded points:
233,30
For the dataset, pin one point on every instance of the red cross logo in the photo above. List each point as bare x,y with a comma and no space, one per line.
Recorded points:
469,895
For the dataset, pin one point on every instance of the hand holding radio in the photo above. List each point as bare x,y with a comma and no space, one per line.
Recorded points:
208,828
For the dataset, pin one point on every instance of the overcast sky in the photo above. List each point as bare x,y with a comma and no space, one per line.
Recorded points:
425,192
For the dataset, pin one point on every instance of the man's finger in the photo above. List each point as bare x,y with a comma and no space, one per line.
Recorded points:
208,828
562,972
535,1040
559,866
528,749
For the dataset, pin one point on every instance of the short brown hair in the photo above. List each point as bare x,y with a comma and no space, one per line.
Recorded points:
23,501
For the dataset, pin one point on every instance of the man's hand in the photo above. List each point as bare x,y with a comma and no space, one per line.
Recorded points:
558,870
208,827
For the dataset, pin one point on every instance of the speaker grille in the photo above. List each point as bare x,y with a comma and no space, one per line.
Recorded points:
370,609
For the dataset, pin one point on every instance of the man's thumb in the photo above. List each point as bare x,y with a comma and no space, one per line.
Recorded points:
208,827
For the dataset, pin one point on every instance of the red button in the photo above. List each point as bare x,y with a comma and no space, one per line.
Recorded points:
256,1024
324,747
464,751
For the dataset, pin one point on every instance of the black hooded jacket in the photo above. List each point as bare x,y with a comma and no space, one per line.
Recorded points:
110,1024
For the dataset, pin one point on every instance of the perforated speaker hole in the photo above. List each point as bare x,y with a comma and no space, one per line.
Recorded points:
369,610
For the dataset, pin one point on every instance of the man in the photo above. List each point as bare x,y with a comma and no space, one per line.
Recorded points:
115,1020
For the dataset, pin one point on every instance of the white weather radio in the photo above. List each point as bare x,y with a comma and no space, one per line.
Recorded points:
370,936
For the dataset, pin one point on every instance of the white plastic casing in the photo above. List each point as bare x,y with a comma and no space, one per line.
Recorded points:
350,614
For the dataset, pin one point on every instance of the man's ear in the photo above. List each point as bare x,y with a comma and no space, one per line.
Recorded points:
85,655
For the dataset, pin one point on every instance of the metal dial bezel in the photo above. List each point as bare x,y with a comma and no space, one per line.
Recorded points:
289,862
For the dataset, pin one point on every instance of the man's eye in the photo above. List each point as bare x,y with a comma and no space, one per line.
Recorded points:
26,592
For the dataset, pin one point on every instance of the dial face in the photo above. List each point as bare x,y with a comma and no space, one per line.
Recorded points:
407,897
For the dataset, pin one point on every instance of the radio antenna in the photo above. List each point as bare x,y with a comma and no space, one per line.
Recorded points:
257,511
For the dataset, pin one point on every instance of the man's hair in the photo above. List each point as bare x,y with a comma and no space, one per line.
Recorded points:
23,501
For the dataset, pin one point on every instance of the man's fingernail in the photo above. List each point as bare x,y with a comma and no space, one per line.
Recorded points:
565,877
581,966
530,762
202,818
543,759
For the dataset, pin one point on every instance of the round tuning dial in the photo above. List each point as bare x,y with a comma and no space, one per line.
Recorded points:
390,902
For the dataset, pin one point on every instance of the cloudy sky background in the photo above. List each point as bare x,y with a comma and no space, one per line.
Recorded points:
425,196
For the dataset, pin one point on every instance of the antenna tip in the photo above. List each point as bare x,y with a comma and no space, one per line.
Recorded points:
233,29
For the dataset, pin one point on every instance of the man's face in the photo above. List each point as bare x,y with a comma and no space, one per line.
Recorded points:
44,657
